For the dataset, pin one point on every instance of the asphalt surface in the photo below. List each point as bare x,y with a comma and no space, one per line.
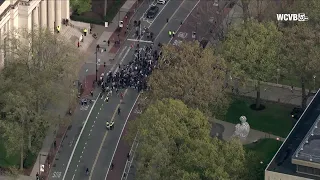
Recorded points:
96,146
177,11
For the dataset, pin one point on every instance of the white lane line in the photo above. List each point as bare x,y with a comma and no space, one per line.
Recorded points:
82,151
100,109
120,54
122,59
114,152
159,13
94,121
102,97
74,148
139,40
169,19
92,126
98,113
185,19
73,176
80,156
97,117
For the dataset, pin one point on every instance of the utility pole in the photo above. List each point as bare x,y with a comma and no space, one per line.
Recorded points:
97,49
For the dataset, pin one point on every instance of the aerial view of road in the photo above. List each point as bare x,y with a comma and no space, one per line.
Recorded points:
88,143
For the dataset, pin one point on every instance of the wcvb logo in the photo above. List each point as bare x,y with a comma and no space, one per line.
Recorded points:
292,17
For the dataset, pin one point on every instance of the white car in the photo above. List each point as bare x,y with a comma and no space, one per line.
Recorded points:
161,1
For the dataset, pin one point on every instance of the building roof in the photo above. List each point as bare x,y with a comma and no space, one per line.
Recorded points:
281,162
309,148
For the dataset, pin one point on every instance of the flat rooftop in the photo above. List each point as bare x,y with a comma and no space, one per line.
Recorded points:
281,162
309,148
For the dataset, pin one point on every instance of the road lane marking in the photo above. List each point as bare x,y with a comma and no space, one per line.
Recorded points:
158,14
125,55
72,153
139,40
124,48
73,176
169,19
114,152
185,19
104,137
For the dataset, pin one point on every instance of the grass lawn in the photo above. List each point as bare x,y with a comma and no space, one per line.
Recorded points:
265,149
274,119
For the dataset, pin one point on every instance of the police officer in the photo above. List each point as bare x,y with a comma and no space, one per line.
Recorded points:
111,125
58,29
107,125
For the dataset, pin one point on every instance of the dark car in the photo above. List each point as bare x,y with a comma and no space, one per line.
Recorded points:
152,12
296,112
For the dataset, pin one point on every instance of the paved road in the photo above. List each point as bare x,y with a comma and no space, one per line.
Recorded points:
178,11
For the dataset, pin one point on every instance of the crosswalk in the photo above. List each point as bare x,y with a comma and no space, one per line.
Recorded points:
84,108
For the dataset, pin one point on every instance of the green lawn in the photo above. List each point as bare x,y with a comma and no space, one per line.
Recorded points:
264,149
274,119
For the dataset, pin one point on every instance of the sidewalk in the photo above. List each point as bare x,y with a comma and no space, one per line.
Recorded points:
272,92
224,130
88,47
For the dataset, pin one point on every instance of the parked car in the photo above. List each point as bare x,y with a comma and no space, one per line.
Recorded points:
152,12
161,1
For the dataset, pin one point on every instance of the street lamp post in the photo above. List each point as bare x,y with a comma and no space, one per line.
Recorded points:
278,75
314,82
97,49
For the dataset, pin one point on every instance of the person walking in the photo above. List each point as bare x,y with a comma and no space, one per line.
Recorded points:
112,166
85,31
170,33
173,33
119,111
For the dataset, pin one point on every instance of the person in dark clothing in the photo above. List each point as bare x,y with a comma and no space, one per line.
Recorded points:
119,111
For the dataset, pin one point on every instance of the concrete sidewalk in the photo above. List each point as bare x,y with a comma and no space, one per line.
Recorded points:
271,92
225,131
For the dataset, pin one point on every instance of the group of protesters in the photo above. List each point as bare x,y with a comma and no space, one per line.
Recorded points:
134,74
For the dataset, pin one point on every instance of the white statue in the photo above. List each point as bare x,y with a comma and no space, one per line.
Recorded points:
242,130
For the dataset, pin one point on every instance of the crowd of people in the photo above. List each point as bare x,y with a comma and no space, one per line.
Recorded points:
134,74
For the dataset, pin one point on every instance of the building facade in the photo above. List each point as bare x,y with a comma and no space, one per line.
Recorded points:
16,14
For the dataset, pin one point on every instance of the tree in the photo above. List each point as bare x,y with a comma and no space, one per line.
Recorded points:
174,143
310,7
300,52
191,74
81,6
252,50
37,77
